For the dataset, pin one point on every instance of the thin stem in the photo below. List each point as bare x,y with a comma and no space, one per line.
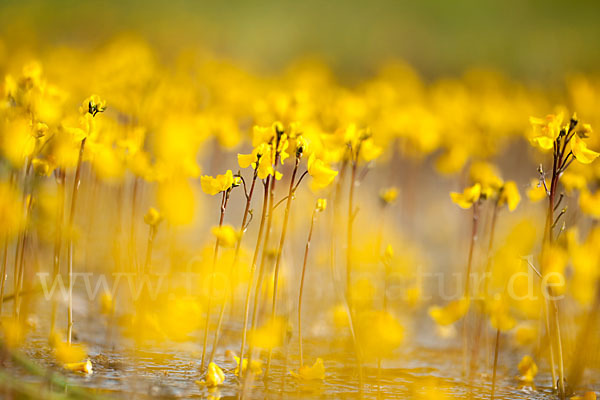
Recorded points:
232,269
224,200
253,271
350,232
151,237
280,251
468,279
60,181
76,183
496,349
310,232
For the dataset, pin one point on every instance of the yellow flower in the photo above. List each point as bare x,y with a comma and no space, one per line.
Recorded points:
84,367
321,174
13,332
389,195
510,196
528,369
214,376
314,372
546,130
321,205
590,203
581,151
262,155
92,105
572,180
218,184
469,196
379,333
255,366
500,317
536,191
369,150
450,313
586,396
486,174
226,235
66,353
152,217
270,334
10,210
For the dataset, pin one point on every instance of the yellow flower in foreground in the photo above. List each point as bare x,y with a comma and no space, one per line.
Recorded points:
66,353
369,150
510,196
314,372
590,203
322,175
379,333
389,195
581,151
92,105
469,196
226,234
214,376
255,366
13,332
450,313
500,317
218,184
261,155
84,367
527,369
546,130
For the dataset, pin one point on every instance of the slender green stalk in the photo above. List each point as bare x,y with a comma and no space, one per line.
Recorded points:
76,183
224,201
310,232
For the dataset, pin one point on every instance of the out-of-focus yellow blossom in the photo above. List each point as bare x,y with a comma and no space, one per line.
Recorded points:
10,210
451,312
83,367
536,191
218,184
41,167
214,376
13,332
20,143
590,203
468,197
586,396
509,195
379,333
499,313
312,372
389,195
546,130
255,366
321,205
369,151
321,174
107,304
340,315
581,151
526,334
226,234
152,217
487,175
554,263
66,353
527,369
572,180
176,200
270,334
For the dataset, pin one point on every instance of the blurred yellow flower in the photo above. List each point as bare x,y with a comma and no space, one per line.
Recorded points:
152,217
321,174
451,312
214,376
528,369
389,195
269,335
536,191
546,130
509,196
321,205
314,372
468,197
255,366
226,234
590,203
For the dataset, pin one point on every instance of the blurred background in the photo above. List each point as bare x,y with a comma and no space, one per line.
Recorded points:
534,40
